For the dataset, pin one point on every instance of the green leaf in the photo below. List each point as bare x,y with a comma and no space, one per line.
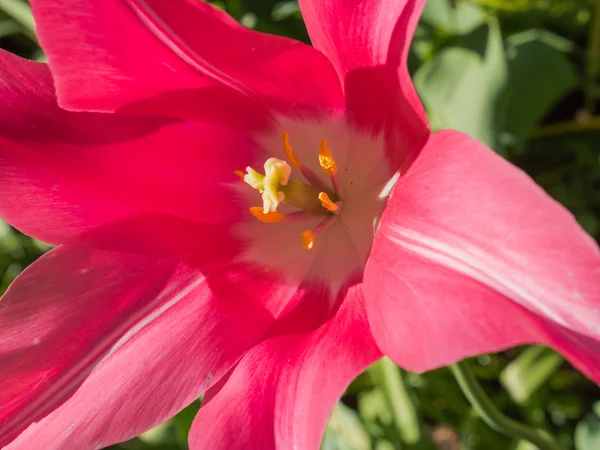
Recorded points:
156,435
531,370
20,11
587,433
510,5
345,431
374,410
454,20
540,75
461,88
8,27
182,422
476,435
440,397
283,10
565,162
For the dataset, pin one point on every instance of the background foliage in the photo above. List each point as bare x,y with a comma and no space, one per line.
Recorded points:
520,75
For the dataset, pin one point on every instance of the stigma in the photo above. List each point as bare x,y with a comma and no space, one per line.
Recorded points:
313,197
277,174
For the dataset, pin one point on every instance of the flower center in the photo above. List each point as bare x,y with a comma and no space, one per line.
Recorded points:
311,198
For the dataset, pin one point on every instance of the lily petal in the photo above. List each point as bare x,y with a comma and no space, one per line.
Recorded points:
355,34
471,257
62,173
281,393
94,71
154,331
61,316
368,44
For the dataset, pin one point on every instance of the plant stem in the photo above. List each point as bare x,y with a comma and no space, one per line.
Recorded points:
591,124
592,67
404,413
403,409
21,13
492,416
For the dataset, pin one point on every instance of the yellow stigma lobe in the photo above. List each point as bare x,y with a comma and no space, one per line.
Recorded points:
289,153
277,174
326,159
327,203
254,179
308,239
270,217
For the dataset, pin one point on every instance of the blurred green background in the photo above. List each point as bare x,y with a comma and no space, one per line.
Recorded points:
520,75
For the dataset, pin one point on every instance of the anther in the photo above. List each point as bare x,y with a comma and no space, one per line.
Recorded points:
312,177
329,166
289,152
269,217
309,236
308,239
326,160
327,203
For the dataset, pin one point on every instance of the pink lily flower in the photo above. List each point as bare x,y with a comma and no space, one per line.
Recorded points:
257,220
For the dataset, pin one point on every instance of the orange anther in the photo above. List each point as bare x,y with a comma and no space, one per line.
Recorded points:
327,203
308,239
270,217
326,159
289,153
240,174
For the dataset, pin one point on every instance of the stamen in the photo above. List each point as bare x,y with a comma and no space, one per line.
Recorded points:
308,236
326,159
289,152
312,178
308,239
275,186
327,203
337,186
269,217
298,216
